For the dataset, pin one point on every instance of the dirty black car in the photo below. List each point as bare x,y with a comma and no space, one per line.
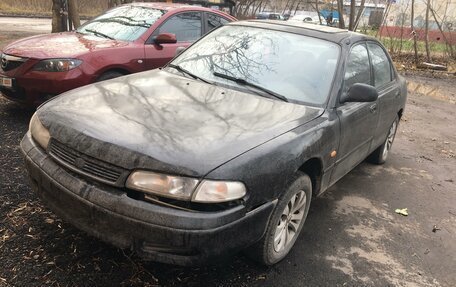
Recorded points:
224,148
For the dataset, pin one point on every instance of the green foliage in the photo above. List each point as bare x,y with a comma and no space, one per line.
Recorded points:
405,45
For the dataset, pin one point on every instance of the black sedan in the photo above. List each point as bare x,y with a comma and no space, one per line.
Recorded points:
224,148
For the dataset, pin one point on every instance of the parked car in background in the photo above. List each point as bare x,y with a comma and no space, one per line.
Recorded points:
127,39
269,16
307,19
223,148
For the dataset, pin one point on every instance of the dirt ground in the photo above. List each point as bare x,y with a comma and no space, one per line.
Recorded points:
352,236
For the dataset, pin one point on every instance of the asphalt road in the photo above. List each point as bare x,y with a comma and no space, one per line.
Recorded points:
352,236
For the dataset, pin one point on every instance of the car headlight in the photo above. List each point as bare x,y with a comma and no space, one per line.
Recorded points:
183,188
57,65
39,133
219,191
162,185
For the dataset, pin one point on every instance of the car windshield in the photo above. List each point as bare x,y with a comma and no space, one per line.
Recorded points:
296,67
126,23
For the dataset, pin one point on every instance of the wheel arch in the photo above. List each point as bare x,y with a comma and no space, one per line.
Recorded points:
121,70
399,113
313,167
115,69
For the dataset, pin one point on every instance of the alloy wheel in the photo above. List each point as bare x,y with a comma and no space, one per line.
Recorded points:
289,221
389,139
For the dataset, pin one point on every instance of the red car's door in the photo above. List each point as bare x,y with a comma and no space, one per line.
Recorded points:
187,26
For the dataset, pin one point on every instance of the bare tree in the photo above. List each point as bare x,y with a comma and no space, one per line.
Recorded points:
114,3
351,21
439,24
412,25
340,9
73,14
426,31
384,18
360,13
318,11
57,23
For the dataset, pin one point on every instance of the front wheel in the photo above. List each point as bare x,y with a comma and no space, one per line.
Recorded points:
285,223
381,153
109,75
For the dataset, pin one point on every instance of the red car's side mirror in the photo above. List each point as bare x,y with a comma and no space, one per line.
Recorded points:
165,38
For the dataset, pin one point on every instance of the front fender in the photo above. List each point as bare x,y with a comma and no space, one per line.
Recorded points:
268,169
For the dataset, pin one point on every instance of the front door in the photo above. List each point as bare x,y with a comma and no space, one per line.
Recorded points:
186,26
358,121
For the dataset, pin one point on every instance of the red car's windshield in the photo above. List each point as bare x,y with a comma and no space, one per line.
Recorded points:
126,23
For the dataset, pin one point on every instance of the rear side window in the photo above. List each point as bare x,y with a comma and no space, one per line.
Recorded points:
380,63
357,69
213,21
186,26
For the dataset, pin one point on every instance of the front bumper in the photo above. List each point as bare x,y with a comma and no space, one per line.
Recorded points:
155,232
34,87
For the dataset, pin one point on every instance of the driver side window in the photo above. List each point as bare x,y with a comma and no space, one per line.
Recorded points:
357,68
186,26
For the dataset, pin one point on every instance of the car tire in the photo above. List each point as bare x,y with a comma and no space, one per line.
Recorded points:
109,75
380,155
287,219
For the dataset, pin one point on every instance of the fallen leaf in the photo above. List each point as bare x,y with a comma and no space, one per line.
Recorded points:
402,211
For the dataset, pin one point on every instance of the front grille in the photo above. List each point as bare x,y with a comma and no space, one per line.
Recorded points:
8,62
86,165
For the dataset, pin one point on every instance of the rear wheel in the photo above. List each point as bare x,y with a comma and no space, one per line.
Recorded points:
109,75
285,223
380,155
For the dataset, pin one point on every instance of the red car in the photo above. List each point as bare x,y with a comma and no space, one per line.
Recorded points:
127,39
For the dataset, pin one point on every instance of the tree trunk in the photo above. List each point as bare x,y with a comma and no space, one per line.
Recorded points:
56,16
402,32
318,11
412,25
351,22
443,34
297,6
426,32
284,10
73,13
340,9
384,18
360,13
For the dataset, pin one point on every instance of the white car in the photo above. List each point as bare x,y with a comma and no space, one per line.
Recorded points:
307,19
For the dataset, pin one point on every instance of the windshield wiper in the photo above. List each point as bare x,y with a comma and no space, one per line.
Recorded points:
246,83
184,71
99,34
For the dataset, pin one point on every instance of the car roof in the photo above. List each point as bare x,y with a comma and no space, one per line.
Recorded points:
328,33
169,6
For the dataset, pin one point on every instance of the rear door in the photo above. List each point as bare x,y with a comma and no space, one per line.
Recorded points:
358,121
388,90
187,26
212,21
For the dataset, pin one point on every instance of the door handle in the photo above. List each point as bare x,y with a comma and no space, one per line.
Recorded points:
397,94
373,108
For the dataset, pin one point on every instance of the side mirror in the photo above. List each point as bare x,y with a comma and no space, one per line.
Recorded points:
360,93
165,38
179,50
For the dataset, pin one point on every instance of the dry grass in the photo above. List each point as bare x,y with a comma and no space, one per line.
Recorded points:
87,8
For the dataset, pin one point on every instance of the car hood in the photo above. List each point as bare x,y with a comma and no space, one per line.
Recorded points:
59,45
160,121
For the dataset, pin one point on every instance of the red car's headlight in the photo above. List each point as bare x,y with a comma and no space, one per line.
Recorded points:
57,65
